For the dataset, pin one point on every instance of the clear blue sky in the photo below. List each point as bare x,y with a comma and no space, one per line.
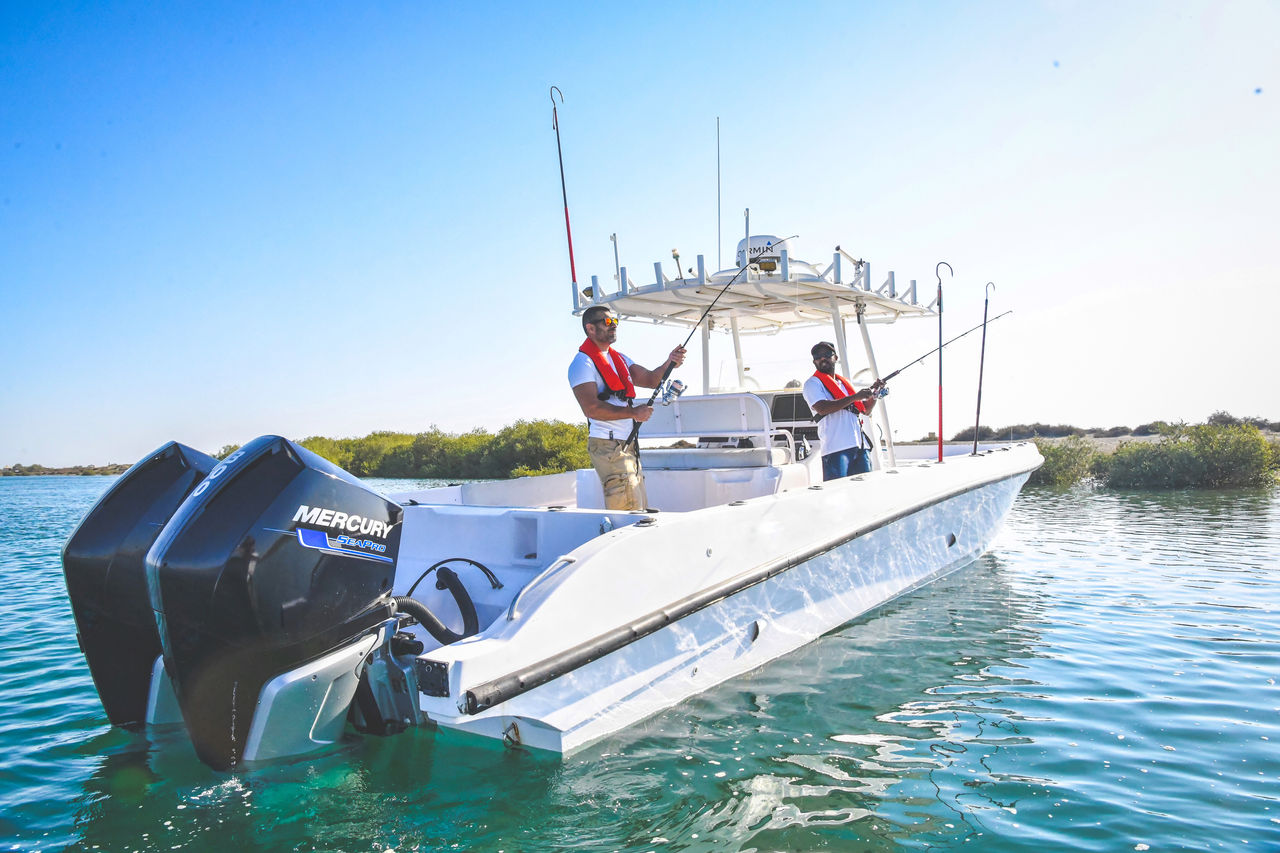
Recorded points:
223,220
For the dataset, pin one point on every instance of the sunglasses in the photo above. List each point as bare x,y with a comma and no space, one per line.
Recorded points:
610,322
823,355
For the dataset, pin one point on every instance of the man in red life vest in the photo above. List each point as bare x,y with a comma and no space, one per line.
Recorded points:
604,382
833,400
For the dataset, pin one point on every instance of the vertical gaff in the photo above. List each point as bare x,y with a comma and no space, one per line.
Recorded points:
937,272
555,124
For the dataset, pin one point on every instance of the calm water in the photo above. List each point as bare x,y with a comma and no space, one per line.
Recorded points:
1104,679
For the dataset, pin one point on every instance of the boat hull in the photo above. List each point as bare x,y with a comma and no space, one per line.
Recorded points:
807,562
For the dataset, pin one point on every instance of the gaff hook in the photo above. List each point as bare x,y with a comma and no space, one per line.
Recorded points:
937,271
555,90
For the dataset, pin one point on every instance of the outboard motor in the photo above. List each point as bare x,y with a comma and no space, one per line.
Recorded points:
270,585
106,577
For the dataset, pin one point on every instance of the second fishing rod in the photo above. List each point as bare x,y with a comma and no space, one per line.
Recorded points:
885,379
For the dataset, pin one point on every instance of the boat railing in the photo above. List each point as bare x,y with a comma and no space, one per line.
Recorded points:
555,568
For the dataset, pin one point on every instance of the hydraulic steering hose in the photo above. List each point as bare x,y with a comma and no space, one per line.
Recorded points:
445,579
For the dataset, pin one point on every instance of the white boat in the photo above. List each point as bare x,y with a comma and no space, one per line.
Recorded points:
288,599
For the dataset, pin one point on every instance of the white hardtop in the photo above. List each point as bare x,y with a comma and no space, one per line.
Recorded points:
776,292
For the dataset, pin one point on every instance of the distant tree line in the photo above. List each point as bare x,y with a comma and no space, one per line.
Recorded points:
525,448
1017,432
77,470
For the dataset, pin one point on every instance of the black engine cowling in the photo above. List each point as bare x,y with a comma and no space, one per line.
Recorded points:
106,576
277,558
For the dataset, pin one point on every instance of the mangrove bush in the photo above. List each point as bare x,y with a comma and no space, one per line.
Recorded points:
1204,456
1066,462
1210,456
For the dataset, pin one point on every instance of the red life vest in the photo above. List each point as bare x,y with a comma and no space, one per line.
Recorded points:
610,372
836,391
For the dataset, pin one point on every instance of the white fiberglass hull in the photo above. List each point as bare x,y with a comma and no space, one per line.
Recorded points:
646,616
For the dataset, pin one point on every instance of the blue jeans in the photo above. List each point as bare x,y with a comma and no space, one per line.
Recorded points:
845,463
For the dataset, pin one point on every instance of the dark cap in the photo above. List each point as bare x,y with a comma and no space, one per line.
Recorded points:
822,345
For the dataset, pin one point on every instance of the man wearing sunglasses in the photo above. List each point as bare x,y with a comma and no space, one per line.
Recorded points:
604,382
833,400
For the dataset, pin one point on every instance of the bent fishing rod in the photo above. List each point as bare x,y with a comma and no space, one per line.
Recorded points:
984,323
635,425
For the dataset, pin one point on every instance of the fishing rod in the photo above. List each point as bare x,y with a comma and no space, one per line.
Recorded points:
635,426
982,357
555,124
885,379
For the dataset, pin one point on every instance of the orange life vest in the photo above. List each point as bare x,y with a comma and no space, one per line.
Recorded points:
836,391
618,387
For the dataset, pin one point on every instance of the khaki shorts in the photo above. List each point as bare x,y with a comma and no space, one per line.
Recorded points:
620,473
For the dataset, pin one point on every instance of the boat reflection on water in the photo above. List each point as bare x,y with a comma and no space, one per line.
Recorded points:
922,689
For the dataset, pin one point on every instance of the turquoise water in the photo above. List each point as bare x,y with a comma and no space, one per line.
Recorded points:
1103,679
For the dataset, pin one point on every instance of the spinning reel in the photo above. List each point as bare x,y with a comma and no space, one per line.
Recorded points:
864,378
670,391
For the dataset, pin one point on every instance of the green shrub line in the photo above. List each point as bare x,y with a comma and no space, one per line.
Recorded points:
1201,456
523,449
72,471
1021,432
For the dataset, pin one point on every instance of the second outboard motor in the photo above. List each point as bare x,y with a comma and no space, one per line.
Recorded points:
107,582
270,585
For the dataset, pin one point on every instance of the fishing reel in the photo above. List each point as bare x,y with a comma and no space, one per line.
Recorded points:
671,391
863,377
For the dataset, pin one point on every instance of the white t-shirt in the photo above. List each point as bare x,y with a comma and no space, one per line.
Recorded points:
837,431
582,370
